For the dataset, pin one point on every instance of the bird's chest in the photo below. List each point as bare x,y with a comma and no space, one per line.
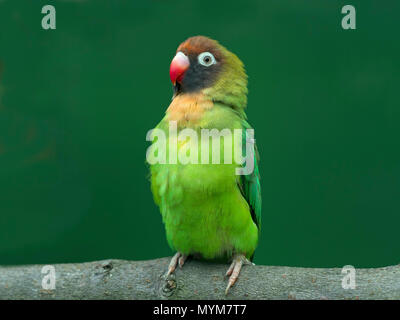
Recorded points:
194,183
201,151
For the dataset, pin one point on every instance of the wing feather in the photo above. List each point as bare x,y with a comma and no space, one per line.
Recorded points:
250,184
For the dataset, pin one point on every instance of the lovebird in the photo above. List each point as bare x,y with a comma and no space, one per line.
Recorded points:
209,210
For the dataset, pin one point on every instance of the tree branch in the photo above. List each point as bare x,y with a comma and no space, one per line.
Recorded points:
119,279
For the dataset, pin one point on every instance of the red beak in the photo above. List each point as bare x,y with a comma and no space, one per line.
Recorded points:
180,63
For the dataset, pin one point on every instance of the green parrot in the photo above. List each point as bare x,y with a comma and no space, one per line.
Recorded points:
209,210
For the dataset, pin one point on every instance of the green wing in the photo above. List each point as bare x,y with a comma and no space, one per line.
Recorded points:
250,184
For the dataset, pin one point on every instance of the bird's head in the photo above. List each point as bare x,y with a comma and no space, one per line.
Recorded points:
202,64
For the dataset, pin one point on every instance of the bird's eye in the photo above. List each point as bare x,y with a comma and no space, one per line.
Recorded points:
206,59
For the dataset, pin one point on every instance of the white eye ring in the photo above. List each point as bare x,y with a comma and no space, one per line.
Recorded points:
206,59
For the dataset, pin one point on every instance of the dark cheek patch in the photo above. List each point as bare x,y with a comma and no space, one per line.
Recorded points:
198,77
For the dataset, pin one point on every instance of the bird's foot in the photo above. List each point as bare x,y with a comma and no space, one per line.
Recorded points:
177,259
234,270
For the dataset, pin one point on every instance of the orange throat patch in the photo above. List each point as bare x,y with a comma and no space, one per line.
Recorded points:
188,108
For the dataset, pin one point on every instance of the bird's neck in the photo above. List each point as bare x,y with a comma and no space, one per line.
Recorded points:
187,109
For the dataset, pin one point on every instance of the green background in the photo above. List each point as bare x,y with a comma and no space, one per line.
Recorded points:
77,102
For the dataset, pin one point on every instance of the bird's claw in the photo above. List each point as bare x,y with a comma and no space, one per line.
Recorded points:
234,270
182,260
177,259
